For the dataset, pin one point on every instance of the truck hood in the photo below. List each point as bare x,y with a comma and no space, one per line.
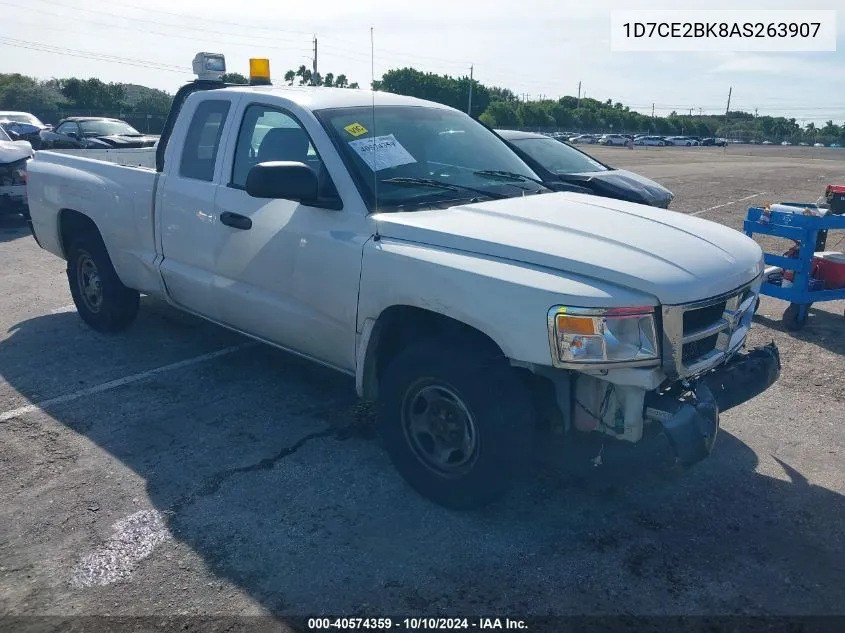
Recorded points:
623,185
673,257
11,151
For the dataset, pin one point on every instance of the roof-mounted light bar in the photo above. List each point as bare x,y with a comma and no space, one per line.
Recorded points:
259,71
209,66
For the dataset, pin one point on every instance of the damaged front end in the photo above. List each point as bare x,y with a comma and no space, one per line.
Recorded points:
689,411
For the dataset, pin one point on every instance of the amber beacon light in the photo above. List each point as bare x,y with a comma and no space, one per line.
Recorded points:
259,71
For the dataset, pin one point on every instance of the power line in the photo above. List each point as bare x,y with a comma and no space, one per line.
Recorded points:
70,52
145,30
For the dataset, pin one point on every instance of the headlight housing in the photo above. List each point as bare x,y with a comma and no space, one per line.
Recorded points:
603,336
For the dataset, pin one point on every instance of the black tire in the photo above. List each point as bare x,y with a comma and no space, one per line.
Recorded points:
101,299
791,319
500,420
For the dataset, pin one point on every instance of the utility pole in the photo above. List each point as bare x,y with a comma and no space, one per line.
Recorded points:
700,111
652,110
728,109
314,69
578,103
469,105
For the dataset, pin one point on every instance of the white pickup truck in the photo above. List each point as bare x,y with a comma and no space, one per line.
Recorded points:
401,242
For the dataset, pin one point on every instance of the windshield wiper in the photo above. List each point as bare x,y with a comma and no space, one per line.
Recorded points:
507,175
439,184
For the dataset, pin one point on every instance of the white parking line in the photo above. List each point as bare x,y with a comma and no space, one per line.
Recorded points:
113,384
727,204
69,308
134,539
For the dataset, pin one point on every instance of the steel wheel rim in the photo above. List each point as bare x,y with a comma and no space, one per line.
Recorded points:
439,428
88,280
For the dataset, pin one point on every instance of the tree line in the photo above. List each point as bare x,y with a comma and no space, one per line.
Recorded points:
500,107
146,108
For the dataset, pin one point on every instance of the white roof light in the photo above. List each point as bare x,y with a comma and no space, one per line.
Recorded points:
209,66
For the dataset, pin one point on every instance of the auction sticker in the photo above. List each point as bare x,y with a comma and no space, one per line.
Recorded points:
355,129
382,152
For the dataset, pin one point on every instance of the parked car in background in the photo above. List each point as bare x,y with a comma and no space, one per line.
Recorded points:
681,140
818,144
786,143
588,139
613,139
94,133
23,126
714,142
835,145
658,141
14,156
565,168
767,143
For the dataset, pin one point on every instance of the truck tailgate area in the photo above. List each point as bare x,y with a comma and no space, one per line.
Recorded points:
117,198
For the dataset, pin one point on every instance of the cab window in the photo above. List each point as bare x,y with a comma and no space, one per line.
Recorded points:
203,140
71,127
269,134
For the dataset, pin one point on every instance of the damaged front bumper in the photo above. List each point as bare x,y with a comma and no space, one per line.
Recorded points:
689,410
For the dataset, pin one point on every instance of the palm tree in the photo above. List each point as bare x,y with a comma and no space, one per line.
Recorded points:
340,81
290,76
328,80
304,75
354,85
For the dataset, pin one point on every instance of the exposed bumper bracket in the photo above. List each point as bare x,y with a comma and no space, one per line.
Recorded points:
691,423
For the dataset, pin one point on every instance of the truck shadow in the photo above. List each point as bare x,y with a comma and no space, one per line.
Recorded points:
13,227
272,478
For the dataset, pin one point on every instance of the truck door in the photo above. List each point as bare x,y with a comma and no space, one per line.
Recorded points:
185,207
287,272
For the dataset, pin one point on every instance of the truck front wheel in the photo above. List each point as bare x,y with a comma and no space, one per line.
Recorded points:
100,297
456,423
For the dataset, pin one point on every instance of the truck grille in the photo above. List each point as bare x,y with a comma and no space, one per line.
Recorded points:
698,336
697,349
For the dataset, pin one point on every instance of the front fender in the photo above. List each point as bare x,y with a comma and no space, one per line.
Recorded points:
504,299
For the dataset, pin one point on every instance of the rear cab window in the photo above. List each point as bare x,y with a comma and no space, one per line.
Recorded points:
202,141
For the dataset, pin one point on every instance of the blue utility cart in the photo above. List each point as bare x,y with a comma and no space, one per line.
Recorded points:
804,230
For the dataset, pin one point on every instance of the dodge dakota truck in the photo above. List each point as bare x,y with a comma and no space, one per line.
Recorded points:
404,243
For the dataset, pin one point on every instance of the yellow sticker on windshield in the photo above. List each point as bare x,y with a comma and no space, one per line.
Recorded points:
355,129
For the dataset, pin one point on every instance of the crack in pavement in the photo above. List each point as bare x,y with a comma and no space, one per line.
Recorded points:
214,482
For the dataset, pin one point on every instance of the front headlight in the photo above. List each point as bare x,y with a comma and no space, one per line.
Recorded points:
596,335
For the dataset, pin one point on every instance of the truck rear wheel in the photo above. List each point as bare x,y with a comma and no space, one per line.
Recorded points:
456,424
101,299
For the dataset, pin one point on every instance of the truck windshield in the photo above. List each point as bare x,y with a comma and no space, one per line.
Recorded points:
557,157
421,156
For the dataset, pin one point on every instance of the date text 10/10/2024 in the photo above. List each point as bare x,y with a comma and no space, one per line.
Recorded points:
416,624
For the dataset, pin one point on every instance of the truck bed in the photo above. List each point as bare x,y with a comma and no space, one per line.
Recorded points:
117,198
133,157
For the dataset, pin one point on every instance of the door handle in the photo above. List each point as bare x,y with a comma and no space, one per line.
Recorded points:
236,220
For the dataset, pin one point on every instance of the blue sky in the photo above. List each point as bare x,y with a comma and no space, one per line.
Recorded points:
534,47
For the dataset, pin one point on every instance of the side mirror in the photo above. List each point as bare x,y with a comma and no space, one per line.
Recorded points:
73,134
282,179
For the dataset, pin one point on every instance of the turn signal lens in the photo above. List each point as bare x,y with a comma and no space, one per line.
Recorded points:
575,325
